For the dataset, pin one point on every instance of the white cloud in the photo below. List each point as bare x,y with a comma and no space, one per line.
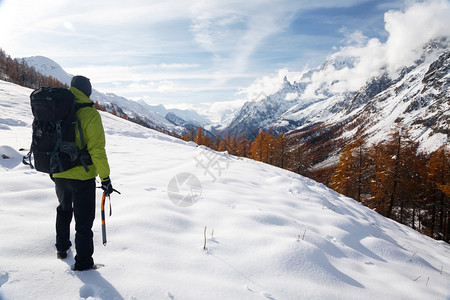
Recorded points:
267,85
408,30
370,60
291,96
68,28
221,112
177,66
163,86
111,73
233,30
355,38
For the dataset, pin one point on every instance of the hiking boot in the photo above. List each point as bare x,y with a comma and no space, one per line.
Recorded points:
61,254
75,267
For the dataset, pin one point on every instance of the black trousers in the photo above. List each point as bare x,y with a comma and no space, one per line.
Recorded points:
76,198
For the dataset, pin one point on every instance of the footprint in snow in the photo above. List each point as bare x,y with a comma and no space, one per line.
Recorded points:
87,291
97,292
3,277
267,296
248,288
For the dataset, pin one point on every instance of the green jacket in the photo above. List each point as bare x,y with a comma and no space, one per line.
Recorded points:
94,138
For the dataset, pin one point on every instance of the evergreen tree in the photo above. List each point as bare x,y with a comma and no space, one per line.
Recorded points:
225,144
362,169
375,201
257,147
351,175
232,149
439,205
342,179
281,148
394,171
299,160
188,135
199,136
268,150
243,147
216,143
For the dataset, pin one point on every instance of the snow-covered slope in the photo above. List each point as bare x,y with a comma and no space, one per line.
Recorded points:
270,233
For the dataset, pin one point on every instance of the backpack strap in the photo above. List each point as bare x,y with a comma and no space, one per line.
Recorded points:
81,105
83,155
54,157
26,160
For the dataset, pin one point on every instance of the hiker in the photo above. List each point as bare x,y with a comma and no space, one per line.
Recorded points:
76,187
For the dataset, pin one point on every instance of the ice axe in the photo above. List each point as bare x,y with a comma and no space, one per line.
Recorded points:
103,215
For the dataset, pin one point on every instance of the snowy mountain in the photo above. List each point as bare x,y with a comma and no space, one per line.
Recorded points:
263,112
418,97
151,116
287,109
48,67
196,224
419,100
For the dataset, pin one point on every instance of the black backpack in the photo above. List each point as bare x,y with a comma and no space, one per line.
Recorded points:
53,144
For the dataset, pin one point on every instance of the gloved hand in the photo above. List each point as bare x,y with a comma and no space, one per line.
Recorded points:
107,186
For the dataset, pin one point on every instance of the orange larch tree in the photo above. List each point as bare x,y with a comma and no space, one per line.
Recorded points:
439,205
243,147
342,179
257,147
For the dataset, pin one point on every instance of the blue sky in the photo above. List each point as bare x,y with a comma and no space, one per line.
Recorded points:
178,52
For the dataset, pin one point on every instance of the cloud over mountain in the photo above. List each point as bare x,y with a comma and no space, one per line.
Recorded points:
408,32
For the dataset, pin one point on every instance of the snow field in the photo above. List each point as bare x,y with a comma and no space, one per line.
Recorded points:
270,233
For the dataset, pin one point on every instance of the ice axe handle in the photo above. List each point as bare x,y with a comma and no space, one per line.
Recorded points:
103,219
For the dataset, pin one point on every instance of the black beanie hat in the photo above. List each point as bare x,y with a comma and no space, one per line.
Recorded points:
82,83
